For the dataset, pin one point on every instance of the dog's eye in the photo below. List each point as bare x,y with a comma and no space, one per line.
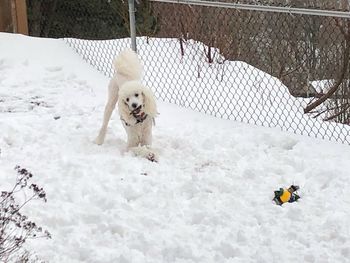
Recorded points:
136,94
127,99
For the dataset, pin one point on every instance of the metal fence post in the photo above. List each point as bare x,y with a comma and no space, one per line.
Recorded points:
132,24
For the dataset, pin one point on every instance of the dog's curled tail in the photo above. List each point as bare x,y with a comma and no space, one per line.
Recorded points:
127,63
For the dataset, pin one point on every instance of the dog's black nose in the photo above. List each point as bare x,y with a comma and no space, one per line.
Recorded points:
134,105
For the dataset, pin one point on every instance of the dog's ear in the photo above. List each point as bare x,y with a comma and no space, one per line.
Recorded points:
149,102
123,108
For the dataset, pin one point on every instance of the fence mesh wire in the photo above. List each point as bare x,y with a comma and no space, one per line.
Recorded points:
271,69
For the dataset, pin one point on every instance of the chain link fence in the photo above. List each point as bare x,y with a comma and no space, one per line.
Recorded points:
275,68
285,68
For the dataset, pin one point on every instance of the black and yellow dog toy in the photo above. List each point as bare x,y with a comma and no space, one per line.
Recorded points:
286,195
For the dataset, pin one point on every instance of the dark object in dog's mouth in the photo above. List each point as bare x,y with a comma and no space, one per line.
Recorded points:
136,111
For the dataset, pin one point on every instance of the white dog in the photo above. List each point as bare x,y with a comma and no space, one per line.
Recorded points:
136,105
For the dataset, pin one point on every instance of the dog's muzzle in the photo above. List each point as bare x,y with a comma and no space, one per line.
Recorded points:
136,111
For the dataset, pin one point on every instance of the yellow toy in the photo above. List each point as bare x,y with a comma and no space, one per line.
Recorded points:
286,195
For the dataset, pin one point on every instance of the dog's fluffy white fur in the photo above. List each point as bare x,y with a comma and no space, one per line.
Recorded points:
136,105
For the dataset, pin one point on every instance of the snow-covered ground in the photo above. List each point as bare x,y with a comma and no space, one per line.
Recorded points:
207,200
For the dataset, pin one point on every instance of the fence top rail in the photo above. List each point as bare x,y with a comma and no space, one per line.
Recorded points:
265,8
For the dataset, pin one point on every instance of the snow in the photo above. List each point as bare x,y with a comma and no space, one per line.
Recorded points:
209,199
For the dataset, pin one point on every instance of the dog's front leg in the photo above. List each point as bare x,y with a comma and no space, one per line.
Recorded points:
146,138
133,137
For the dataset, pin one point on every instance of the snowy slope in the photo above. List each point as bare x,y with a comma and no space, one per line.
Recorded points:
207,200
231,90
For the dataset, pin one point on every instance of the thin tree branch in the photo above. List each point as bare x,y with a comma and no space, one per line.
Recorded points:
338,114
337,84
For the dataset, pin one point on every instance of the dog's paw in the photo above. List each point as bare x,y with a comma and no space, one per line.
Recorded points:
98,141
153,157
145,152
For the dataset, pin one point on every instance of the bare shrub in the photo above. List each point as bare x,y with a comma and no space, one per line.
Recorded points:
15,227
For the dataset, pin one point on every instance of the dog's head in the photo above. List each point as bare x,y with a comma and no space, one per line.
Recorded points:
135,98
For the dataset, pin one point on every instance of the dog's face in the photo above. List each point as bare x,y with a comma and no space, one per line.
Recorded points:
134,101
